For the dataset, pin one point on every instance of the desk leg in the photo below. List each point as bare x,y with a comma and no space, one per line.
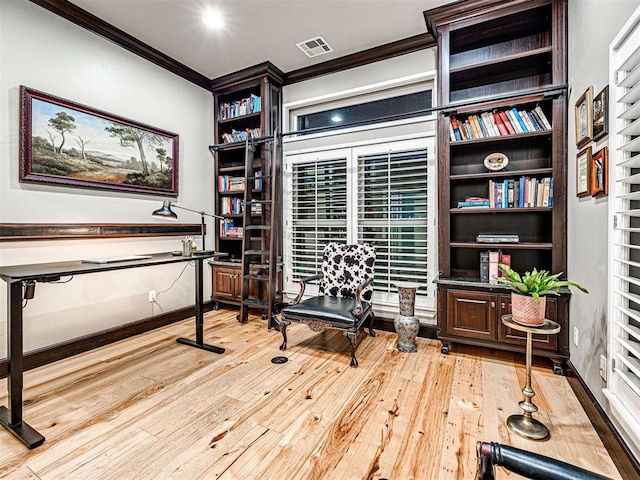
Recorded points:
199,342
11,418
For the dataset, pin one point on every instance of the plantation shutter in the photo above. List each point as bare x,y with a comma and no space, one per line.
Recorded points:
392,215
623,388
318,211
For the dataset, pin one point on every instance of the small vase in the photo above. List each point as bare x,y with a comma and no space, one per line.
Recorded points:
406,323
527,310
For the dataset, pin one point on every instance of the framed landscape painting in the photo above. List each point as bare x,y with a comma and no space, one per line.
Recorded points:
62,142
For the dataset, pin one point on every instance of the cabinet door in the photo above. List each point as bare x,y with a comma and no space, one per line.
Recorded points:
471,314
508,335
226,282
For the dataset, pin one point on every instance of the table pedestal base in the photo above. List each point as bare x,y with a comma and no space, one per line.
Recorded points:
23,431
527,427
203,346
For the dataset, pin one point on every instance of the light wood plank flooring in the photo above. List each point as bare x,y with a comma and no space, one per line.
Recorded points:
150,408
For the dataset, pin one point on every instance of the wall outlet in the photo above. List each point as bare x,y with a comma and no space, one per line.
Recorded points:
603,367
152,296
575,336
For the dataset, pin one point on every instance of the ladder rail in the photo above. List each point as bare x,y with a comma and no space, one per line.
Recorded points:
270,247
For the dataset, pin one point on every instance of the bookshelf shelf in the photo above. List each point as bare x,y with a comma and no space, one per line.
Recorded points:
507,210
502,83
502,246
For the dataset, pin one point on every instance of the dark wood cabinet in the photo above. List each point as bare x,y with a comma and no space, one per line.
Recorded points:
472,314
502,92
247,104
227,283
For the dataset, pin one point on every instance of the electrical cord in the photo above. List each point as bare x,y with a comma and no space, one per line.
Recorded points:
172,285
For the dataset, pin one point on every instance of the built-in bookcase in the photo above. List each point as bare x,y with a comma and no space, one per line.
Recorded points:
502,86
247,104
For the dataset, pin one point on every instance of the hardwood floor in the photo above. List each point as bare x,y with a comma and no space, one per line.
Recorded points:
150,408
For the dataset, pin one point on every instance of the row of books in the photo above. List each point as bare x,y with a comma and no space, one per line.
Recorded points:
515,193
241,135
498,123
227,183
229,230
244,106
235,206
521,193
524,192
489,261
231,206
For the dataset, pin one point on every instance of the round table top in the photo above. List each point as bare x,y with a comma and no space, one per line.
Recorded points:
549,327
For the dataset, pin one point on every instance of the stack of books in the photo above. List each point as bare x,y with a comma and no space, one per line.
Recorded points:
474,202
509,121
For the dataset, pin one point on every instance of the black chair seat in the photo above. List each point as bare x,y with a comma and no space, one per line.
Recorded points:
333,310
345,284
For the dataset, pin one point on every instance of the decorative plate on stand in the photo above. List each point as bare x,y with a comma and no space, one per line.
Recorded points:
496,161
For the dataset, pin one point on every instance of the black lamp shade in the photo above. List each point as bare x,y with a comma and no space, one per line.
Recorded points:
165,211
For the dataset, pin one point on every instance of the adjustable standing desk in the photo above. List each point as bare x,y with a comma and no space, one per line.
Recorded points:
19,275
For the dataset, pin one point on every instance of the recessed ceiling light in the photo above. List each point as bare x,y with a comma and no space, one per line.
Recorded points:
336,118
213,18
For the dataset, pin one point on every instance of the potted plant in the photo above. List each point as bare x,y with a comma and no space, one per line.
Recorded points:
528,296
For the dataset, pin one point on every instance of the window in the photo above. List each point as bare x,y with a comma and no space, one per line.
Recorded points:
377,194
319,212
409,105
392,214
623,387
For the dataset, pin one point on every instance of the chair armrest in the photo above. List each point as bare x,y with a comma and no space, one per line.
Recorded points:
303,284
357,311
528,464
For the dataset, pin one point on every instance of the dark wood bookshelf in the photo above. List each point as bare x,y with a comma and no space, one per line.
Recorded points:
263,81
493,56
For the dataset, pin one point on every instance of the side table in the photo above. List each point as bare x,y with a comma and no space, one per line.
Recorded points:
525,425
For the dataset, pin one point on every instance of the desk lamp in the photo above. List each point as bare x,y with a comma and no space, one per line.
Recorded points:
166,212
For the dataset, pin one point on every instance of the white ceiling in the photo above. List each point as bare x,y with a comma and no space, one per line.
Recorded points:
261,30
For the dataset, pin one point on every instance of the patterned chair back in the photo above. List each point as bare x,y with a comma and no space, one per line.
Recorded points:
345,267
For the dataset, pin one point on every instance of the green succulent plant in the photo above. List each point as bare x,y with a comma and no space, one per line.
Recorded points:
535,283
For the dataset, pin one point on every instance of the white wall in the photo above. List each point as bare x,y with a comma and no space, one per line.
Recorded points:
43,51
592,26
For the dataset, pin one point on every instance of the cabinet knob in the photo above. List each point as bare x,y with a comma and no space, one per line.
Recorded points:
503,305
493,304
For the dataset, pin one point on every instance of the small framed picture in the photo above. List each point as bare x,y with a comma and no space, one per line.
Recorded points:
583,173
600,114
584,118
599,168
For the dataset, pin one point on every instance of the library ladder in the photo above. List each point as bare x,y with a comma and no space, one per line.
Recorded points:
261,239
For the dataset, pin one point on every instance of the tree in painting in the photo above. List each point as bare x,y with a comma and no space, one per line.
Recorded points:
61,123
131,136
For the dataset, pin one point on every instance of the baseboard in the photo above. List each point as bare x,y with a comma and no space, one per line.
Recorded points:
622,457
53,353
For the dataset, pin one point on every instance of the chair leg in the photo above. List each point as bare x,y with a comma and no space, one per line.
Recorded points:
352,337
283,328
371,332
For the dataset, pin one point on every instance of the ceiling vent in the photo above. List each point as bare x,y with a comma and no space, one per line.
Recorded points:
314,47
